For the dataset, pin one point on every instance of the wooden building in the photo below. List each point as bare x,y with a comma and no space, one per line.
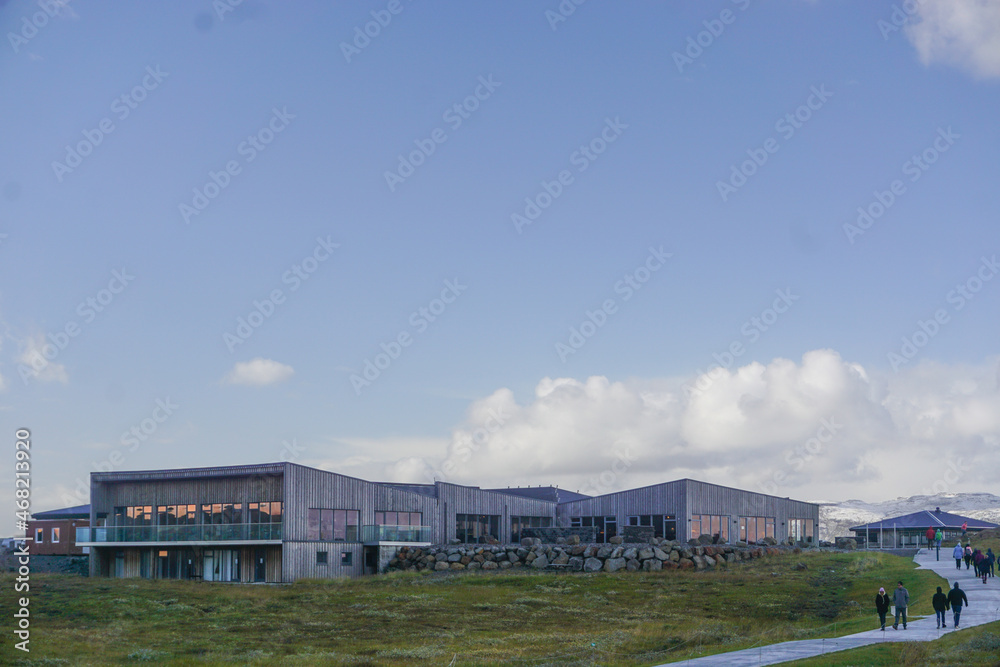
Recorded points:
53,533
280,522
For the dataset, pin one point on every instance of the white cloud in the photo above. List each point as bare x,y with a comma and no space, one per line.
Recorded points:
759,427
259,372
964,33
33,364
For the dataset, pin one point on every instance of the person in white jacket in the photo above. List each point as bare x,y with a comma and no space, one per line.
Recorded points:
958,553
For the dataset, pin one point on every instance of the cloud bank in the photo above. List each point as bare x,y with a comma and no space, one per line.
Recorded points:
818,428
964,33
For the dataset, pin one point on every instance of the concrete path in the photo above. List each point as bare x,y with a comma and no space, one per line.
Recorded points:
984,607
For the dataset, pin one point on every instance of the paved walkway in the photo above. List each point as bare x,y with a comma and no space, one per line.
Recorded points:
984,607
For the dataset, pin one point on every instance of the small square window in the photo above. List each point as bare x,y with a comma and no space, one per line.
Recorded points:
321,557
345,558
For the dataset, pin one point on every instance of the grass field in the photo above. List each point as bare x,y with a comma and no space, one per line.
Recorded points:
515,618
974,647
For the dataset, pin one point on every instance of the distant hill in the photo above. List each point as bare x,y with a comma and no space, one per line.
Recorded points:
836,518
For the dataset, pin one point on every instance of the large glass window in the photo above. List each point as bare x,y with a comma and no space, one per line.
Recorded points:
477,528
519,523
710,524
332,525
663,525
398,518
607,526
756,528
800,530
265,520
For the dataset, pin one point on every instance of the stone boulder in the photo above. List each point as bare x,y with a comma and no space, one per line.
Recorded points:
615,539
614,564
592,565
575,564
540,562
632,565
652,565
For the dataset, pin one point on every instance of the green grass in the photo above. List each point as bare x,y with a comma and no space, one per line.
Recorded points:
975,647
515,618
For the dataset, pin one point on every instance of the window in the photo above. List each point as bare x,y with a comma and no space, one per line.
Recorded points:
756,528
710,524
321,557
663,525
55,535
477,528
519,523
39,535
332,525
398,518
607,526
800,530
346,557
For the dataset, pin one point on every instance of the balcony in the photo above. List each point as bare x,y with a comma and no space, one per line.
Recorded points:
408,534
189,533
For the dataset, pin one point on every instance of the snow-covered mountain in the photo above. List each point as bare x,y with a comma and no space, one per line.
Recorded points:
836,518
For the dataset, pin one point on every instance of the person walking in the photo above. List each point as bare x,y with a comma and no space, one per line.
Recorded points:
958,553
977,563
968,556
956,598
901,598
940,602
990,559
965,528
882,603
938,537
930,536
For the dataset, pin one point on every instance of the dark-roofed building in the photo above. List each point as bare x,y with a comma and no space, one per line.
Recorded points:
53,533
280,522
910,530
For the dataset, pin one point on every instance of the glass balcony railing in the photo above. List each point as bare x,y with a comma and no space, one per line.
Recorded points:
395,533
185,533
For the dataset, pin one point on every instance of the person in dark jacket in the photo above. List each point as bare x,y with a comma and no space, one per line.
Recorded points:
977,563
900,598
882,604
990,559
941,605
956,598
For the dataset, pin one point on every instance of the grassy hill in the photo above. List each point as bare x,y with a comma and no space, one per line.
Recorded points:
528,618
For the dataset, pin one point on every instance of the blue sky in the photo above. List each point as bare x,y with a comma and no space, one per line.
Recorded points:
202,84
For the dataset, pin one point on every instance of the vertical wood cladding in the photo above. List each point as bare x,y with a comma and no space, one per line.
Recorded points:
687,497
457,499
300,489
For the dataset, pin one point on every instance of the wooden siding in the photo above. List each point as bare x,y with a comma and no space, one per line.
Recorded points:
686,497
300,560
106,495
455,499
666,498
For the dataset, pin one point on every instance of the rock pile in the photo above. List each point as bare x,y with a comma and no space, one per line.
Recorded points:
656,555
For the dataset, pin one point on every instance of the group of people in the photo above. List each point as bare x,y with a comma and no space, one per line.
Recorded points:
983,562
954,600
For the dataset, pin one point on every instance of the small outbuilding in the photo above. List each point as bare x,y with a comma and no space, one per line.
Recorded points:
910,530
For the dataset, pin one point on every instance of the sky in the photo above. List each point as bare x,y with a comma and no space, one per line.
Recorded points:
598,245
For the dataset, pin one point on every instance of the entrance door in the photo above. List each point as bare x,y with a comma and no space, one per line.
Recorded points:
260,565
670,529
371,560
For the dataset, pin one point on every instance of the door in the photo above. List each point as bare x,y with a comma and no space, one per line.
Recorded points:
260,565
670,529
